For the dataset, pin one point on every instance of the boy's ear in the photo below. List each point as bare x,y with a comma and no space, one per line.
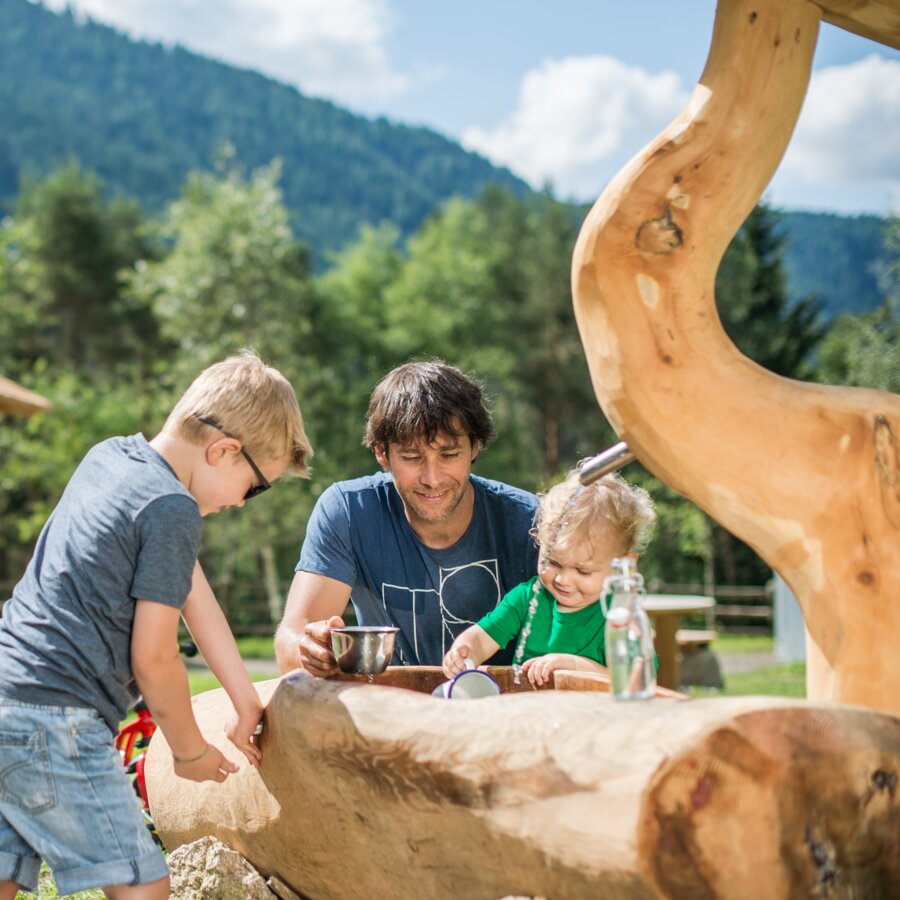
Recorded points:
220,449
381,454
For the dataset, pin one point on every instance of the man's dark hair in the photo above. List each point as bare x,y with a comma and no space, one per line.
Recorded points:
420,400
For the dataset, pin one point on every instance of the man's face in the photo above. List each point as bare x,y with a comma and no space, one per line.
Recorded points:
432,479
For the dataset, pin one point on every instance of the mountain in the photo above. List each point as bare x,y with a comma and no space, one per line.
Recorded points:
838,259
143,115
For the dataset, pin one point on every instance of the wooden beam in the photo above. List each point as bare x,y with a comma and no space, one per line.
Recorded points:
16,400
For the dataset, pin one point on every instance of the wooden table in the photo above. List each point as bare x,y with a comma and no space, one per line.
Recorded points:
666,612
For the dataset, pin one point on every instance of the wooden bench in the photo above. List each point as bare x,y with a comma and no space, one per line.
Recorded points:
690,639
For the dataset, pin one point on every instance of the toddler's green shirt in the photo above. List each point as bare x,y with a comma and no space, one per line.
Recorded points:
580,632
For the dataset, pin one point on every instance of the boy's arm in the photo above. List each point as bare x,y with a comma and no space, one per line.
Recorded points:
474,644
212,634
162,680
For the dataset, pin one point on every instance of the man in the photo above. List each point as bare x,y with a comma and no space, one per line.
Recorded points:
423,545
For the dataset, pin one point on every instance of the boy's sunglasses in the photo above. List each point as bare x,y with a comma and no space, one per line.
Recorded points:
264,483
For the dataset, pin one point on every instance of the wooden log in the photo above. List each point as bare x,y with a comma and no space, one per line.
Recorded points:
369,791
807,475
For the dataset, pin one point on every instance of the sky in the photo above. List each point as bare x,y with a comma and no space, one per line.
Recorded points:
563,93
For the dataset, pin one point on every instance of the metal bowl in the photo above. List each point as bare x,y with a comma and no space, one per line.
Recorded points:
363,649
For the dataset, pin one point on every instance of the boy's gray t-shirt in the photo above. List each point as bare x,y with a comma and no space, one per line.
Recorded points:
125,529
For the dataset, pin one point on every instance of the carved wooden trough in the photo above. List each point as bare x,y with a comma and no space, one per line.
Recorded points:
377,791
382,791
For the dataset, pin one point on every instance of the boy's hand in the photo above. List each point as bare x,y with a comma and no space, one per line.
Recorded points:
241,730
455,660
211,765
316,655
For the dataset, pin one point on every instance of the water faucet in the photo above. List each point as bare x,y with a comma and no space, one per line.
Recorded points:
603,463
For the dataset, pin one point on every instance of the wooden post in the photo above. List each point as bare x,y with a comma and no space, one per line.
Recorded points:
808,475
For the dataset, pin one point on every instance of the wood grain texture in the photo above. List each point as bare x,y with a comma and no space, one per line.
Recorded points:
807,475
368,791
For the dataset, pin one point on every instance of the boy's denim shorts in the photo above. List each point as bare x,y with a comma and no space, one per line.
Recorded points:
66,798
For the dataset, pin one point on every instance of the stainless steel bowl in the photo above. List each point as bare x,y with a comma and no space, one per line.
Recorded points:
363,649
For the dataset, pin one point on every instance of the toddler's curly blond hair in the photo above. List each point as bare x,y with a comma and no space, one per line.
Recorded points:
609,503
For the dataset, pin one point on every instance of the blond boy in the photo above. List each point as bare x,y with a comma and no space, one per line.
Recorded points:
94,622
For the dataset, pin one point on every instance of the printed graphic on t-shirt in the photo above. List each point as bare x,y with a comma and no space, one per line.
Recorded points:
464,595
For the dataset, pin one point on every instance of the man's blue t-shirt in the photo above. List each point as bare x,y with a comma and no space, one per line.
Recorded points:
358,534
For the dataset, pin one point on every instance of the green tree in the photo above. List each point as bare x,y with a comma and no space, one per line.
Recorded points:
756,310
65,249
486,286
236,277
864,350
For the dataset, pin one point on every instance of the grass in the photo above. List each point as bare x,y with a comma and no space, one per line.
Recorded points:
786,680
256,647
47,890
781,680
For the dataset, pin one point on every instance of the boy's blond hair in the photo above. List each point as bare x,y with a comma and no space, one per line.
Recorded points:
251,401
608,504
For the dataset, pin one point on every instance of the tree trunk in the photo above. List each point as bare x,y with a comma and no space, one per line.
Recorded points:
368,791
274,593
807,475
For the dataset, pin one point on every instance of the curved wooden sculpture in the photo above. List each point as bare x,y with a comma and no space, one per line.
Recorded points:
808,475
375,792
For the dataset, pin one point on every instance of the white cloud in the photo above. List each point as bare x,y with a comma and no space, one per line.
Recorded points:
847,140
333,48
578,121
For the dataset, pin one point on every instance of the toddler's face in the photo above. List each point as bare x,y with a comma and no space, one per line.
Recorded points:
574,571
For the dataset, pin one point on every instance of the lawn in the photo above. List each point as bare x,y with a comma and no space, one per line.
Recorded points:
767,679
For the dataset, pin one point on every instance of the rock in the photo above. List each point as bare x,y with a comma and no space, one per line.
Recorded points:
207,868
700,667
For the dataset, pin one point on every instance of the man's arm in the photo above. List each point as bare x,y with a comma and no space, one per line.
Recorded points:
162,680
209,628
315,604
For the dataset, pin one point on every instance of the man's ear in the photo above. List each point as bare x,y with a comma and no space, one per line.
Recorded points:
381,454
476,449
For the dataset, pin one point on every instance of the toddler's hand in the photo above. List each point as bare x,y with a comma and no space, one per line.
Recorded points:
539,668
455,660
241,730
211,765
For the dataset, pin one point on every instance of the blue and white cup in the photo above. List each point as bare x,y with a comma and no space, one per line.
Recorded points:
470,684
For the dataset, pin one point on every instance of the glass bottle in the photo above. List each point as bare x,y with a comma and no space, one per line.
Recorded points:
629,639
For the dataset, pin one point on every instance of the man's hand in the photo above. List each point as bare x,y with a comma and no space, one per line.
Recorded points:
316,655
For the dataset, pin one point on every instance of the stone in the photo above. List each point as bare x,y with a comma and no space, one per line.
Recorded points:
207,868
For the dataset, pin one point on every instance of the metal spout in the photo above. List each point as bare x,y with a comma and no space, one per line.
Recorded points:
603,463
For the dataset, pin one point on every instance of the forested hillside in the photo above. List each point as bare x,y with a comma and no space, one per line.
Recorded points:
839,259
143,115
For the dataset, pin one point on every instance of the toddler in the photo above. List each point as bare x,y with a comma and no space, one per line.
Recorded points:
579,531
